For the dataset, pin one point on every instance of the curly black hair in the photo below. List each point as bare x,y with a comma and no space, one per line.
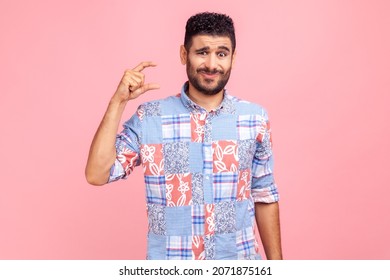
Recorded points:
209,24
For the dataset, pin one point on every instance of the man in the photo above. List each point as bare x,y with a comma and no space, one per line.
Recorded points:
206,155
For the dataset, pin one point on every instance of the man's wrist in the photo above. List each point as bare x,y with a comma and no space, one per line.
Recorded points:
117,103
275,256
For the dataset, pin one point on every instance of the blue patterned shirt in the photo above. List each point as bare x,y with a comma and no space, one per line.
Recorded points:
203,173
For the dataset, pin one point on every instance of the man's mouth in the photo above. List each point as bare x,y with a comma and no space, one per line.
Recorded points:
209,74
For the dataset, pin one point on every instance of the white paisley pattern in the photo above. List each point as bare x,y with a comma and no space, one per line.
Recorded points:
246,150
209,244
156,217
176,157
225,214
197,189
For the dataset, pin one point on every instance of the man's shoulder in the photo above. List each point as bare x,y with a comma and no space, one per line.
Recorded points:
245,107
159,107
161,101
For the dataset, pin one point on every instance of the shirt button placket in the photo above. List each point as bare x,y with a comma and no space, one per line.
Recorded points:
208,156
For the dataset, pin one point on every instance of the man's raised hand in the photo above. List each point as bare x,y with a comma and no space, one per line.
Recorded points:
133,84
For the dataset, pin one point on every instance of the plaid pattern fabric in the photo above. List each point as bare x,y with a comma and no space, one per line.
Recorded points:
225,186
266,194
179,248
203,173
176,128
198,219
155,190
261,168
207,158
248,126
246,243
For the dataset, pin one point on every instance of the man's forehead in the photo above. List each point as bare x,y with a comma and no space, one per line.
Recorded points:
212,41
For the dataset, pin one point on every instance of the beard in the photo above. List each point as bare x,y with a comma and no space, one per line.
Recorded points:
206,87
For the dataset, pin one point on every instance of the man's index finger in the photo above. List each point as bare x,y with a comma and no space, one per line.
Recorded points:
143,65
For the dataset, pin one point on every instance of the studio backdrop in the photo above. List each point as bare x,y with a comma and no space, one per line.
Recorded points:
321,68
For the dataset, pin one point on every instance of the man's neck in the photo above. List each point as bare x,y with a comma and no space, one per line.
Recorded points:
208,102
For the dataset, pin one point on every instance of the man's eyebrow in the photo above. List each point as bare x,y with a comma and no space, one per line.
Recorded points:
203,49
224,48
208,48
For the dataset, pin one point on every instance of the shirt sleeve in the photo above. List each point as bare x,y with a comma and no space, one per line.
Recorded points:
264,188
127,149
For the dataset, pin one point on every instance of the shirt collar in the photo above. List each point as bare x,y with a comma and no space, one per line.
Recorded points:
192,106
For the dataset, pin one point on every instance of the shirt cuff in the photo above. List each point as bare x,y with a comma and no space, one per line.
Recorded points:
116,172
267,194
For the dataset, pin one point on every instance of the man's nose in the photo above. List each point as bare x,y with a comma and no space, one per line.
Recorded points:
211,62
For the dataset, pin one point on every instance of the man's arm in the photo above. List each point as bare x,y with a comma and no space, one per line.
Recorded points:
268,223
102,152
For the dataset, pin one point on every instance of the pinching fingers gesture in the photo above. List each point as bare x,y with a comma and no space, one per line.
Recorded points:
133,84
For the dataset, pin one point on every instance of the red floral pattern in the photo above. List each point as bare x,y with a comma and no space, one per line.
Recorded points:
225,156
178,189
152,159
198,252
197,127
244,185
209,219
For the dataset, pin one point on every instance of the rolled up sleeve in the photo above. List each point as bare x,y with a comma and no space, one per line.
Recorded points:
264,188
127,150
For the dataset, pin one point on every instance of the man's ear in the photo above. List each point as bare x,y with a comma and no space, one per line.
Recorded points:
234,57
183,55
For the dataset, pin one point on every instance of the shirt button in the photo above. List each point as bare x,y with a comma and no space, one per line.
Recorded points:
207,177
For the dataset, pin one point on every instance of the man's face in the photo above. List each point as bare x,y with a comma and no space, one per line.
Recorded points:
208,61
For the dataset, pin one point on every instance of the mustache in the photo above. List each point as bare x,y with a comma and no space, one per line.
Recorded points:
209,71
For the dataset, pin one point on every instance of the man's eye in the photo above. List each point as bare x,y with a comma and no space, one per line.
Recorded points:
222,54
202,53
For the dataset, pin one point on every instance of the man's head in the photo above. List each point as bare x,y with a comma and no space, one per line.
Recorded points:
211,24
208,51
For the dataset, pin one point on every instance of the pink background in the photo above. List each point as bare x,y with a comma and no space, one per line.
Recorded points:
321,68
